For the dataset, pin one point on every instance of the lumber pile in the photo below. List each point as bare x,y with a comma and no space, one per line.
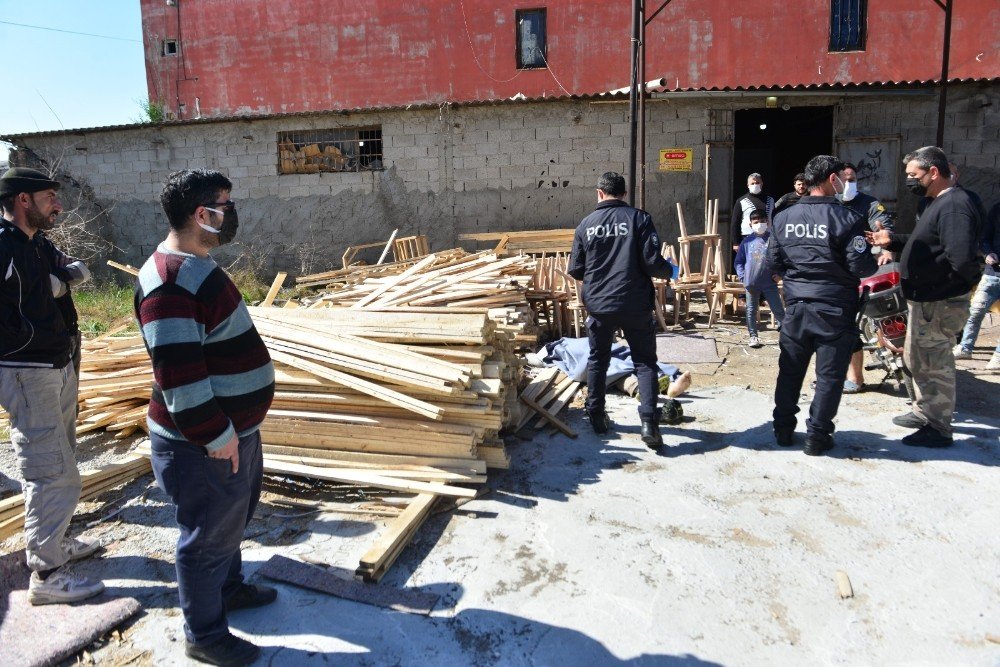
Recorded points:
95,482
115,385
542,241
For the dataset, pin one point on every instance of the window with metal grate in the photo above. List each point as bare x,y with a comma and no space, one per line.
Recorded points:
848,23
344,149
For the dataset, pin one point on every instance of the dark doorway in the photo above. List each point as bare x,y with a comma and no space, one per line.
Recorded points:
777,143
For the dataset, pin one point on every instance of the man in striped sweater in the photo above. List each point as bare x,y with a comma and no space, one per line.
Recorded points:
213,384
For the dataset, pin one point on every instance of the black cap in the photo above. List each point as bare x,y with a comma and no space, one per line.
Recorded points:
22,179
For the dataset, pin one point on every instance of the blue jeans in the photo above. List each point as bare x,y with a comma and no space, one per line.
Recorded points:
214,507
771,297
986,294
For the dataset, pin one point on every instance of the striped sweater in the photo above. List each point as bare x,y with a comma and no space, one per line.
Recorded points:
212,374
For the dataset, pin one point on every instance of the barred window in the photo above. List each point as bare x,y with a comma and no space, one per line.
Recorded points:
344,149
530,38
848,22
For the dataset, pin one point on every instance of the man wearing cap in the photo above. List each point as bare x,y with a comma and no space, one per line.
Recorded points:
39,343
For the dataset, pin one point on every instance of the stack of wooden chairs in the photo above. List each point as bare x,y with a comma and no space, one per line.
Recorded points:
703,280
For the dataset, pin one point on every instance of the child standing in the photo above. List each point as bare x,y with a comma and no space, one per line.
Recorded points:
755,274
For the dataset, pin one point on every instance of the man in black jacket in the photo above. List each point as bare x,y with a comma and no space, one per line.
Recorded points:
38,381
939,268
616,253
819,247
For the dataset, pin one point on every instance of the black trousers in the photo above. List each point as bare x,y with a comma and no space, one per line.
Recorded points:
831,333
640,332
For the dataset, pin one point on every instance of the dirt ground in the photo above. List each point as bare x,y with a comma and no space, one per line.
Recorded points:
721,549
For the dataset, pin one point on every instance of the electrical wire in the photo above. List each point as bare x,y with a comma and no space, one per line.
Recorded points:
70,32
475,58
549,68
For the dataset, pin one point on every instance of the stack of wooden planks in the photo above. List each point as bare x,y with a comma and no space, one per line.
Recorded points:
95,482
541,241
115,385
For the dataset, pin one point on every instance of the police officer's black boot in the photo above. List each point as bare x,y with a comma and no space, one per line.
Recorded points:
599,421
817,444
651,433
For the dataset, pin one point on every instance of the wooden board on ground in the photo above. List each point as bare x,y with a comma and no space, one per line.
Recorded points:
318,579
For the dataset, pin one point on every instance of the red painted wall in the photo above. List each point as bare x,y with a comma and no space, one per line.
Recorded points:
275,56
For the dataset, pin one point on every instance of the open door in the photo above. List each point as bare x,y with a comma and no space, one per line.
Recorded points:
719,185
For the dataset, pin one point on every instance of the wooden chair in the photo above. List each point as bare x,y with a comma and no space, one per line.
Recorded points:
689,281
410,247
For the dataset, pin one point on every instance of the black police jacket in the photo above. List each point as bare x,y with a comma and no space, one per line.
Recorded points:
819,248
36,329
616,252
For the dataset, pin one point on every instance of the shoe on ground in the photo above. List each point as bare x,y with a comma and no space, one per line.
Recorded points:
994,364
229,651
61,587
599,421
928,436
961,353
755,342
909,420
651,434
785,437
852,387
81,547
248,596
816,444
671,412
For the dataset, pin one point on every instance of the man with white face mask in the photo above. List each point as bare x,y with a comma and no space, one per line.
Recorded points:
753,200
878,218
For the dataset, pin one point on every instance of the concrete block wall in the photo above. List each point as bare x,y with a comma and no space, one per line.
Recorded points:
460,169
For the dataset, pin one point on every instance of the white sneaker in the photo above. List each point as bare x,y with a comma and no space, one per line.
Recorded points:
81,547
961,353
994,364
61,587
755,342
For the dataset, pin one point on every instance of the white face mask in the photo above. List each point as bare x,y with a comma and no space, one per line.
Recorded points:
759,228
850,190
755,188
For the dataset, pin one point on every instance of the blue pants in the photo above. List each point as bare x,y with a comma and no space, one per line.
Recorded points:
830,333
771,296
640,332
986,294
214,507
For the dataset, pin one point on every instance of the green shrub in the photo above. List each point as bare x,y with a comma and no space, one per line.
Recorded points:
103,306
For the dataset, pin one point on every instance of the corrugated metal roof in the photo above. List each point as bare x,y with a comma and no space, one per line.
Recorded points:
654,86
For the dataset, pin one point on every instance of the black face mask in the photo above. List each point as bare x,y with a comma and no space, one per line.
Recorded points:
230,223
916,187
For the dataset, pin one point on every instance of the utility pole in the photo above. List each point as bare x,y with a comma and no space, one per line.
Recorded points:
633,97
943,97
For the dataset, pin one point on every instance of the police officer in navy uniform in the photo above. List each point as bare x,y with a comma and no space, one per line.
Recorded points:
616,253
819,247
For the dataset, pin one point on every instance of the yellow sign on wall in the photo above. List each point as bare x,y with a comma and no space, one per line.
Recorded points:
676,159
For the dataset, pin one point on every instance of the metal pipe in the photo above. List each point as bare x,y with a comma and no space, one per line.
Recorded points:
943,101
633,101
642,105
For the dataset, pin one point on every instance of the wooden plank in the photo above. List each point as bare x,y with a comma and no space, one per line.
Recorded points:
279,280
370,388
315,578
389,545
368,479
550,418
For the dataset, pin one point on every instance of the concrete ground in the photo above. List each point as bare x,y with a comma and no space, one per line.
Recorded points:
722,549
